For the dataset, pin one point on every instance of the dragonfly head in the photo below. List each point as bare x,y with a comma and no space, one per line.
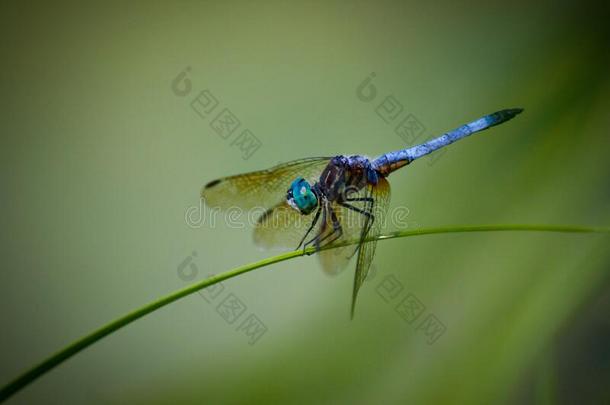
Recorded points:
301,196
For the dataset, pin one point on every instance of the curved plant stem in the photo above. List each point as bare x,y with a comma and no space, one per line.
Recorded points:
80,344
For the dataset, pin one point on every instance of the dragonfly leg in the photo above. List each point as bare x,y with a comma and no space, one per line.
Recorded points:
323,209
369,208
370,218
317,241
367,213
369,199
337,229
313,223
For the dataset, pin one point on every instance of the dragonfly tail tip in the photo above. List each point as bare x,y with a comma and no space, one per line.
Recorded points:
512,112
502,116
517,110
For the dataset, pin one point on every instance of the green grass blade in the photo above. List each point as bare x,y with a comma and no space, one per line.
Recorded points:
82,343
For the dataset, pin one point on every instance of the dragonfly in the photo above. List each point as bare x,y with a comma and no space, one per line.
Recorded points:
324,202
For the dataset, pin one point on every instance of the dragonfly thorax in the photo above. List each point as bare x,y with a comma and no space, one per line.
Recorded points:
301,196
346,175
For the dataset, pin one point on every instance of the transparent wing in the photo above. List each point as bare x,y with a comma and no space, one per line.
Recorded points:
263,188
366,251
355,225
352,222
283,227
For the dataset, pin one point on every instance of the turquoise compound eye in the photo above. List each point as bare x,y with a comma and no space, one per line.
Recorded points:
301,197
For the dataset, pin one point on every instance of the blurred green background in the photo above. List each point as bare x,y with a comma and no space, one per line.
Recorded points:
101,159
